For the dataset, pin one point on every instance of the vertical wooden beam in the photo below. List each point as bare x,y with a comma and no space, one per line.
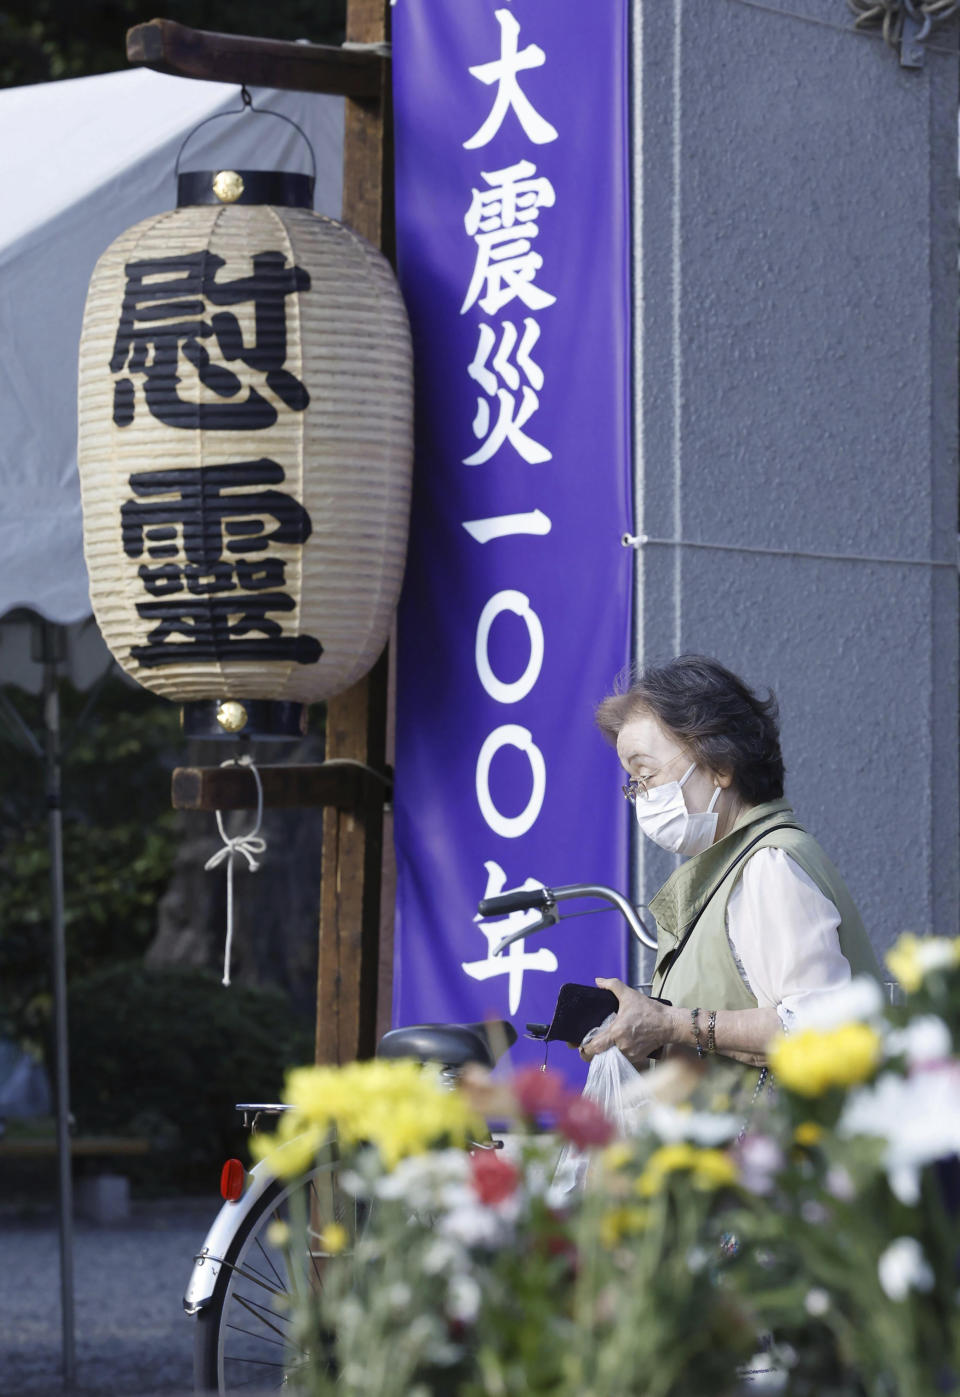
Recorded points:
356,721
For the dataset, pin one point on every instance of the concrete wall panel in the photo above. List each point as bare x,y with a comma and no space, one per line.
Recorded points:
796,362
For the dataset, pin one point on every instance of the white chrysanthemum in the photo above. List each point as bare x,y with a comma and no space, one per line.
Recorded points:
839,1183
926,1038
442,1255
474,1225
936,953
419,1180
858,1001
463,1298
399,1296
903,1267
917,1117
706,1128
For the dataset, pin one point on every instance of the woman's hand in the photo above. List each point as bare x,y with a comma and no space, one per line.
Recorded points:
642,1025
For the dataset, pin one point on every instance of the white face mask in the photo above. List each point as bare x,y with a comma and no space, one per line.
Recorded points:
665,819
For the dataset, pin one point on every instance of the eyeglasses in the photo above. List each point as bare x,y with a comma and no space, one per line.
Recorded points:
638,787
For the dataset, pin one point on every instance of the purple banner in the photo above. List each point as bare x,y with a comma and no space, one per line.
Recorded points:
512,237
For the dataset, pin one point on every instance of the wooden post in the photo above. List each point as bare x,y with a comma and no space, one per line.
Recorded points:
347,973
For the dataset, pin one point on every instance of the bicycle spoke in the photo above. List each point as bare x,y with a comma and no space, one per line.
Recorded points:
262,1338
257,1362
244,1273
263,1253
258,1314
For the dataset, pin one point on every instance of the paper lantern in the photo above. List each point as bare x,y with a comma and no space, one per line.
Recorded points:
245,445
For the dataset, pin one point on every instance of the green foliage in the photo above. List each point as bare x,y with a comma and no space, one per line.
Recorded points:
44,39
118,845
166,1053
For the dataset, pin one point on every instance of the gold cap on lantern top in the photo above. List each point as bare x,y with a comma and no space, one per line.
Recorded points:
228,186
231,716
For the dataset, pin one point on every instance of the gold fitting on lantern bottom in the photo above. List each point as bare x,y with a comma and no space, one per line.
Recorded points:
231,715
230,720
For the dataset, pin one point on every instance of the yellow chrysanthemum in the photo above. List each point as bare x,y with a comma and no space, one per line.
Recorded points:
278,1233
667,1158
913,956
713,1169
616,1156
904,961
289,1155
709,1168
333,1238
810,1063
398,1106
622,1222
808,1133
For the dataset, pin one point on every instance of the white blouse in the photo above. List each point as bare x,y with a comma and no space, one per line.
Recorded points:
783,932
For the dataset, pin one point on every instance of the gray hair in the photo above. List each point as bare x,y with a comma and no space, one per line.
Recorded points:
724,724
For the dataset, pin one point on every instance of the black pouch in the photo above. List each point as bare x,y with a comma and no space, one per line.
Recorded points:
578,1009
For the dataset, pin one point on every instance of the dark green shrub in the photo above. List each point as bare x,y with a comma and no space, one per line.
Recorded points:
167,1052
119,839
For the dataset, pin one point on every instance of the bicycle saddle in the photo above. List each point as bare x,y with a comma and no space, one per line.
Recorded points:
450,1044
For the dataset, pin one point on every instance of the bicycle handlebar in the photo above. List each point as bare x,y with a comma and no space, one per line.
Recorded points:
520,900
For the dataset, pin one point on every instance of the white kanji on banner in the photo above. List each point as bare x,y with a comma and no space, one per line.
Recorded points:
500,380
510,96
517,960
502,220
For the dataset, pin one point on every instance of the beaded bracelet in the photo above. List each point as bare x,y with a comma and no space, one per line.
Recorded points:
694,1016
711,1032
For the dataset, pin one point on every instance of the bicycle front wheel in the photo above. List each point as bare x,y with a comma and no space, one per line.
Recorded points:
245,1338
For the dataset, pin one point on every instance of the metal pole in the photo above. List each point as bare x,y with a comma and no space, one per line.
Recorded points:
51,701
639,960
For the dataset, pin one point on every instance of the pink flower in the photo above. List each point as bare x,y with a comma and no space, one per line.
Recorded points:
759,1157
583,1123
538,1091
493,1178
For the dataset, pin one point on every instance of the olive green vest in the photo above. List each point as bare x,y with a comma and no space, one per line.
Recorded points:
705,973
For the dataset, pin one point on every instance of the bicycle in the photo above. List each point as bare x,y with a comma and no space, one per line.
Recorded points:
244,1275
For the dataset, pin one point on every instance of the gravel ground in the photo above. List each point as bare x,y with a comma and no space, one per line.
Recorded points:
132,1337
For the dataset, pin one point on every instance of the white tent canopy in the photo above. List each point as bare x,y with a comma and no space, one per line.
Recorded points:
83,160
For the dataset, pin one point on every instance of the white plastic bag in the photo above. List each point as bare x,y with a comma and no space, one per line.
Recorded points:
611,1078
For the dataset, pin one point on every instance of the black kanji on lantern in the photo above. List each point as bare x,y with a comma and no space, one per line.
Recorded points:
169,578
204,503
185,521
219,628
164,306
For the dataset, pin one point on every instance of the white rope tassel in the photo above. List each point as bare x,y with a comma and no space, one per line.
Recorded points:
246,845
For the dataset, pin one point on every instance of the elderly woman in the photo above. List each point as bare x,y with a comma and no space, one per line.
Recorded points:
757,920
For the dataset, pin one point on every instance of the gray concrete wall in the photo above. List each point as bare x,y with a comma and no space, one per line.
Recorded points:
796,364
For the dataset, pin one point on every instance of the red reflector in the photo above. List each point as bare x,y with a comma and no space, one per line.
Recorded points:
232,1177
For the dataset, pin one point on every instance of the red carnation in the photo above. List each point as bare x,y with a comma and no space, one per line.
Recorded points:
583,1123
493,1178
538,1091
